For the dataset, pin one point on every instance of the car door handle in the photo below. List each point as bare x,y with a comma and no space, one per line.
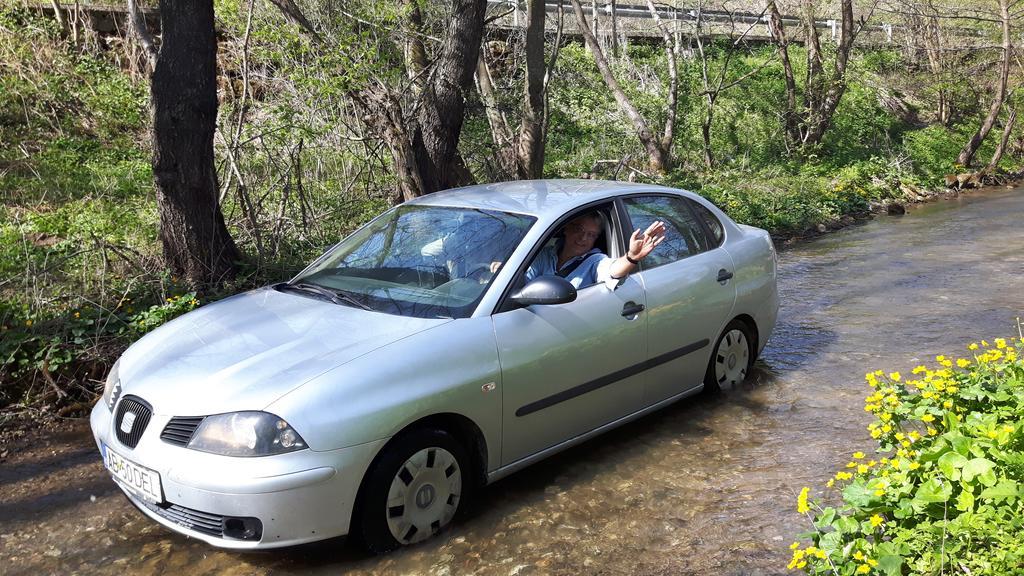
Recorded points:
724,275
632,309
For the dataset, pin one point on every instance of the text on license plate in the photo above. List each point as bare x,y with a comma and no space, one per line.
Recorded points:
140,480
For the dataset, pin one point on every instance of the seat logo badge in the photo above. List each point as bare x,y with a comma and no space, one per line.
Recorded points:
425,496
127,422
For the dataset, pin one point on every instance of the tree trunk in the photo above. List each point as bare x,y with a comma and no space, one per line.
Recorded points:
443,108
790,119
532,127
660,159
1001,148
413,49
196,243
966,155
501,132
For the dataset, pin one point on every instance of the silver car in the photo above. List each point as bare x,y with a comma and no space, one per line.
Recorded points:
419,359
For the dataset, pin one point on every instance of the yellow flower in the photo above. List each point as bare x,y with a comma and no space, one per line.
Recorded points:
963,363
992,434
801,501
876,433
1000,343
887,428
863,569
862,469
915,435
794,545
28,323
919,369
985,344
972,346
894,376
932,431
851,464
843,475
858,556
858,455
940,358
927,418
831,482
876,521
77,315
914,465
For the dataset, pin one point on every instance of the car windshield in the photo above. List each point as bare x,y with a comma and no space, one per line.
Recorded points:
422,261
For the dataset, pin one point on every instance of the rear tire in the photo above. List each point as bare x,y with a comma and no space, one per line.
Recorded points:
413,491
731,358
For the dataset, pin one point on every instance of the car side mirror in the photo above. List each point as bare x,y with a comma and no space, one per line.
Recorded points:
545,290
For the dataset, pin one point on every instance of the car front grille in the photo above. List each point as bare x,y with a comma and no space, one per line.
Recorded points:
129,429
180,429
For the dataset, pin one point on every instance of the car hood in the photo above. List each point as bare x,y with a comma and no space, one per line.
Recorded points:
244,352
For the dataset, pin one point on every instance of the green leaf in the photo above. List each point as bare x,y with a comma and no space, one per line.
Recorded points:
827,516
847,525
830,542
1006,489
934,490
856,494
890,564
980,468
950,464
965,501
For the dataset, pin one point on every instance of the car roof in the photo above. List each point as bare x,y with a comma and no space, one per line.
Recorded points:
534,197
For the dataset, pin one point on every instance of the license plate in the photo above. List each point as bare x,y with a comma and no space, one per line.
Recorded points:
139,480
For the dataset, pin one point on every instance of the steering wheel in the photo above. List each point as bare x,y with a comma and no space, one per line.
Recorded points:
479,271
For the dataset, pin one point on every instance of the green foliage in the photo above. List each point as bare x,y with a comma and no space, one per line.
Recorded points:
944,491
933,150
65,343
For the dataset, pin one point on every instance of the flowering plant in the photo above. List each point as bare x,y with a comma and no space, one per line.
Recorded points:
943,490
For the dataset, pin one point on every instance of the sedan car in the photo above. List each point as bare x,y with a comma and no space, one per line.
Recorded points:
420,359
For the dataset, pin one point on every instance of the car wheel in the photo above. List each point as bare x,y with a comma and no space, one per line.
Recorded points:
414,490
731,359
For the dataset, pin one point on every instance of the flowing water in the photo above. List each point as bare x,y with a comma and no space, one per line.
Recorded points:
707,486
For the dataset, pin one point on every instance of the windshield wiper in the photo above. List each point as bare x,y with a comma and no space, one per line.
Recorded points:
333,296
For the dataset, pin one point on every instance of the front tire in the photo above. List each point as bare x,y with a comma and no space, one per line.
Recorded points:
413,491
731,359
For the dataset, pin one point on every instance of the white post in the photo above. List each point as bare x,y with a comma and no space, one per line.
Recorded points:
833,23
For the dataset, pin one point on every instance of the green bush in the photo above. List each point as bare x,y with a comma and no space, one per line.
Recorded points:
933,151
943,491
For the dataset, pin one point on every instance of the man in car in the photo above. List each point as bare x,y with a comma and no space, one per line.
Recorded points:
574,257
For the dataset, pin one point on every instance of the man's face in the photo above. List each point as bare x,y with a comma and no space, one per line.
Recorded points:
580,235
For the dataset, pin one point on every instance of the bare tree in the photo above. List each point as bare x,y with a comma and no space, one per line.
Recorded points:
660,156
967,153
196,243
522,155
714,84
824,86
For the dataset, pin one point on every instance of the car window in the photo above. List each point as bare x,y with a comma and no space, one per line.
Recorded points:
423,261
713,223
582,270
684,235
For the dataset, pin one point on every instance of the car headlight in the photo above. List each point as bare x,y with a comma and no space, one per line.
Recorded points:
112,386
246,434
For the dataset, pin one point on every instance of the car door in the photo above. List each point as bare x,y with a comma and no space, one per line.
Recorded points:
689,299
567,369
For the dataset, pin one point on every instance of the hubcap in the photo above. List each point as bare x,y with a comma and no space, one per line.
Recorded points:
424,495
731,359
